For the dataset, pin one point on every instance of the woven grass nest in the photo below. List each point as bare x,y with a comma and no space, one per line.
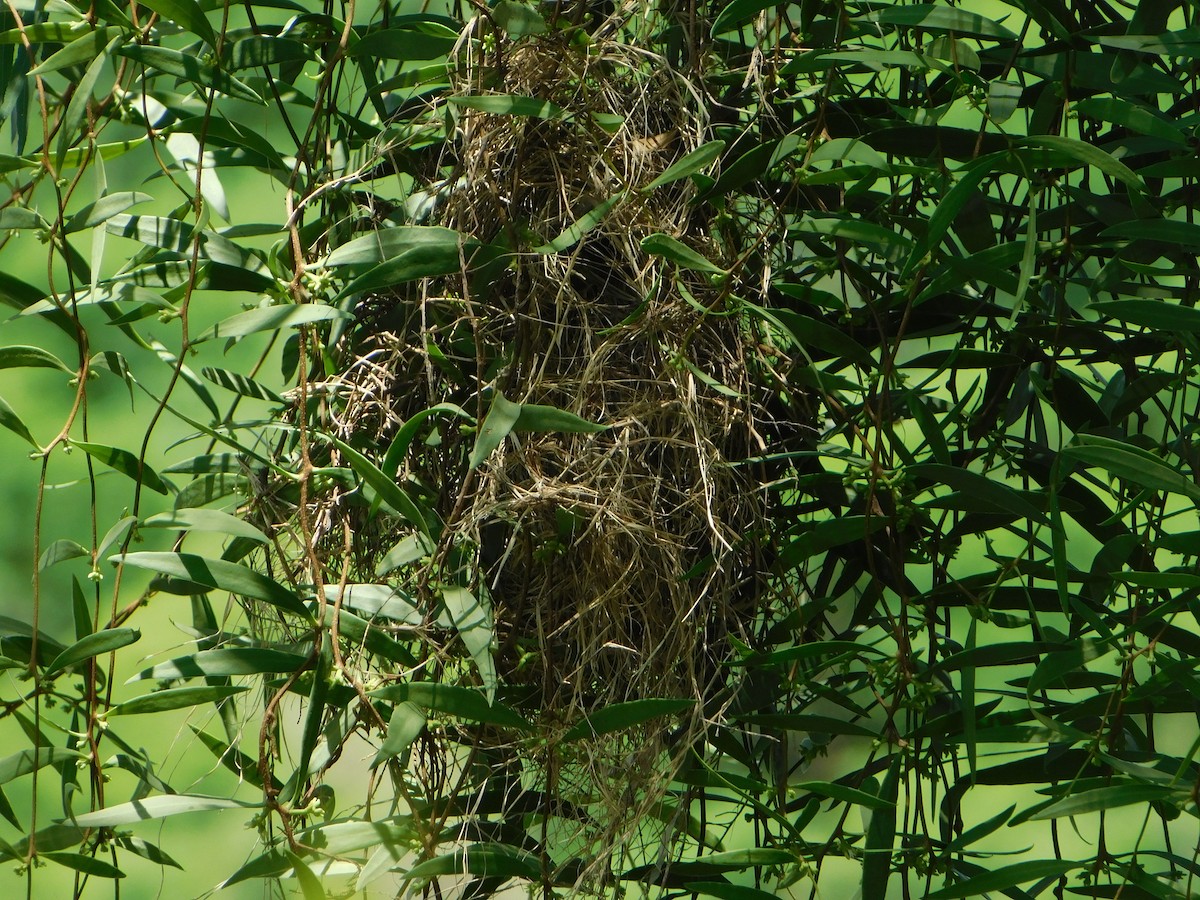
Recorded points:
619,562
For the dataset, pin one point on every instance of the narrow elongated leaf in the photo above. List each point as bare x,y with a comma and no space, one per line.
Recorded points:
388,490
995,493
158,807
725,891
1112,797
1133,467
185,13
844,793
217,574
80,51
191,519
1005,877
271,318
679,253
696,161
189,67
91,645
25,761
511,105
932,17
176,698
21,356
499,422
404,727
73,116
104,209
223,662
534,417
619,716
10,420
1088,156
240,384
881,836
472,619
88,865
455,701
482,861
1152,314
425,260
581,226
384,244
124,462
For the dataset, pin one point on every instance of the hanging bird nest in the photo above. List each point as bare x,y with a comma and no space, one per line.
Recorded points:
617,562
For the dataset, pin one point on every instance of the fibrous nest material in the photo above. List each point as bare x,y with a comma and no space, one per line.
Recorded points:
617,562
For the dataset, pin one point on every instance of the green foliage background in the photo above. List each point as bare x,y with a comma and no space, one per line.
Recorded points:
954,249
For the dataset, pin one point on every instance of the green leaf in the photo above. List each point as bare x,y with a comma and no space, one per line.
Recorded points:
472,620
881,835
191,519
10,420
933,17
26,761
185,13
725,891
105,641
1088,156
699,159
453,700
518,19
1005,877
402,43
404,727
682,255
482,861
415,253
88,865
158,807
1132,116
384,244
124,462
271,318
176,698
223,662
1112,797
407,550
388,490
21,356
60,551
535,418
619,716
73,116
994,493
1057,664
511,105
1158,314
80,51
1136,467
189,67
240,384
842,792
948,209
581,226
217,574
501,419
104,209
738,11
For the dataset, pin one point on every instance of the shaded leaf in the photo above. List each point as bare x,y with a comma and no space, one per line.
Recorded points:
124,462
619,716
217,574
